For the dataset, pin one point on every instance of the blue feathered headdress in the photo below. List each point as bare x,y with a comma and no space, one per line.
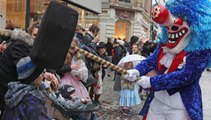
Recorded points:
197,13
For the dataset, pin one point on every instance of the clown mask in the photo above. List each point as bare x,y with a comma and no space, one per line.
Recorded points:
178,30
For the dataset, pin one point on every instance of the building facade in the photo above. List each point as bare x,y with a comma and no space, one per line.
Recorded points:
22,13
124,18
118,18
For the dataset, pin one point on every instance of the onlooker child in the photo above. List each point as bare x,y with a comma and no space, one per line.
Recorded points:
109,46
23,99
129,93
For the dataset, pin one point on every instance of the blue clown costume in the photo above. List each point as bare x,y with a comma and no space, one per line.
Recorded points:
179,60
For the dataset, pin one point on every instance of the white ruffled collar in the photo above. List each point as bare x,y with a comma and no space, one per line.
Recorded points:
167,59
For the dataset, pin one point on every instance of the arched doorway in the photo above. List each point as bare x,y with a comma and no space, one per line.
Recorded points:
122,29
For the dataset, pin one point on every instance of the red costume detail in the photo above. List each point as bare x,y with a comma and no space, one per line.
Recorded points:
160,14
178,59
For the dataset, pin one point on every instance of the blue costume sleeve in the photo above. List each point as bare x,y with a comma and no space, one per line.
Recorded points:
149,64
196,62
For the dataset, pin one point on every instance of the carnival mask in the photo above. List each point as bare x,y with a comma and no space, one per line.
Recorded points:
178,30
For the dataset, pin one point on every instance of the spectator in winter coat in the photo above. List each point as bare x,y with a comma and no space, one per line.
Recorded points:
109,47
92,35
148,48
102,53
119,51
91,39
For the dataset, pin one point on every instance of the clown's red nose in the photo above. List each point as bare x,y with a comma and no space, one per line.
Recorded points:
160,14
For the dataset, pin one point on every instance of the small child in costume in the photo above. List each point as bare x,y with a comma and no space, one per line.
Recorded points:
129,93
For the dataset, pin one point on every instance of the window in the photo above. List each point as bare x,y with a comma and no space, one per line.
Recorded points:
104,11
128,1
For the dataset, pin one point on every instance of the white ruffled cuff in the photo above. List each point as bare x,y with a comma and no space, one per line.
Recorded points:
144,82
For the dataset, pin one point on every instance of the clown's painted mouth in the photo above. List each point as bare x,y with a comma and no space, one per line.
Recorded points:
175,37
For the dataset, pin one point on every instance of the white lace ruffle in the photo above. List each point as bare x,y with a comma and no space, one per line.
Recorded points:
167,59
82,72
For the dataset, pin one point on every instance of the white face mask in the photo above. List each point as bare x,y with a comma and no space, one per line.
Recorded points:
178,37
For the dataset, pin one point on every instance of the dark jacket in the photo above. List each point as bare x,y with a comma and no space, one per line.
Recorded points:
92,65
109,47
128,47
79,37
24,102
104,67
119,53
87,38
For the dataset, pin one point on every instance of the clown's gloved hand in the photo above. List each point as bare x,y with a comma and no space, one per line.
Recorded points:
131,75
144,82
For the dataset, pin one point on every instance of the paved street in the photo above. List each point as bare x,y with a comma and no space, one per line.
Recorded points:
109,99
110,109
